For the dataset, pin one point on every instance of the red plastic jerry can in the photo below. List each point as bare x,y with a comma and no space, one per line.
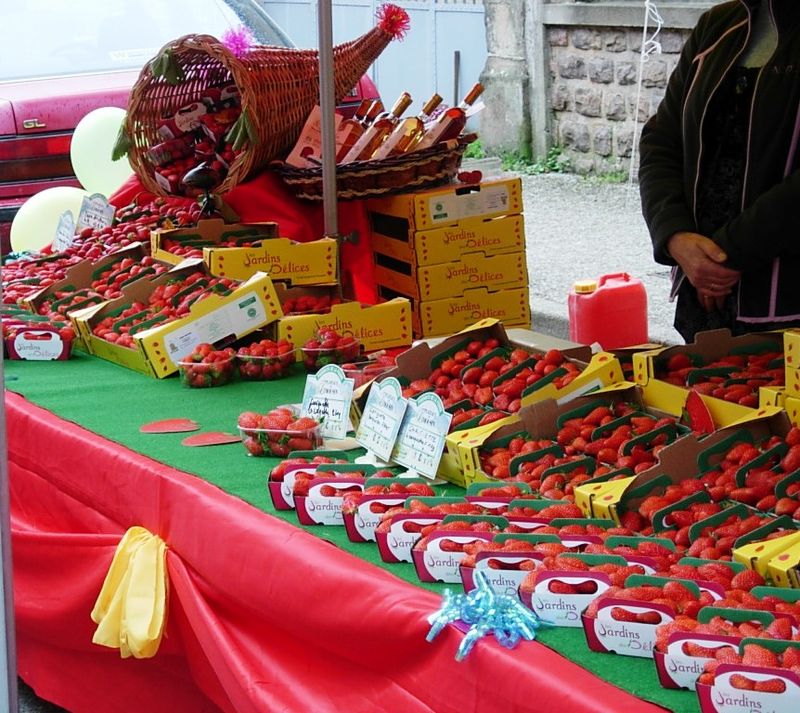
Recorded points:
611,311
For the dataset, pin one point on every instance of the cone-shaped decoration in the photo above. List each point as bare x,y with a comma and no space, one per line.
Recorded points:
279,87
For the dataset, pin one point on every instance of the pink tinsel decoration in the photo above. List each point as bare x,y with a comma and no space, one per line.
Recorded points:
238,41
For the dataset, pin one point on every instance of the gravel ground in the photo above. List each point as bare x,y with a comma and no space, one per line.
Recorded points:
580,228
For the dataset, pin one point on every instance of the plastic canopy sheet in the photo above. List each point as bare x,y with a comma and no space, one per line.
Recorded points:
263,616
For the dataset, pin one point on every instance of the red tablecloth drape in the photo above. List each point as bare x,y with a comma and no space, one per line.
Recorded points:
262,615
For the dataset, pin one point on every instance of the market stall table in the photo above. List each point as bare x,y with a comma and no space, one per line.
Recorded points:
262,614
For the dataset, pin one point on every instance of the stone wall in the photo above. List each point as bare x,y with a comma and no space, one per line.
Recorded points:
565,73
594,75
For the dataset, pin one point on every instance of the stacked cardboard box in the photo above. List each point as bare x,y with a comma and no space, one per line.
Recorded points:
457,252
312,263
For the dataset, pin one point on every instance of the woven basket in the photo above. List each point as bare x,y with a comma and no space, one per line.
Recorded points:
278,87
396,174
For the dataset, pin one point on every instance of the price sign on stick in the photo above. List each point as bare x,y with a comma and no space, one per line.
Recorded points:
65,231
327,398
383,414
96,212
420,442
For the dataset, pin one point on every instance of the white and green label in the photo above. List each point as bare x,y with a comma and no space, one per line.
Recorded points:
327,398
424,428
383,414
65,232
96,212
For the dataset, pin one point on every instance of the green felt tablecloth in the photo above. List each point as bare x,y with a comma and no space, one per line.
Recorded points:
113,402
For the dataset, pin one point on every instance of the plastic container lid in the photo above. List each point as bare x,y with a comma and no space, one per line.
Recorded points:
585,287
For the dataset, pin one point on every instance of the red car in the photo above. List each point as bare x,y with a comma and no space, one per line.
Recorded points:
70,58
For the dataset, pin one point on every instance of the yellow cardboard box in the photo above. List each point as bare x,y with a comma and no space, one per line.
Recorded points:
382,326
249,307
672,399
450,470
771,396
679,460
784,568
710,346
791,348
436,318
312,263
417,362
82,274
792,377
792,407
452,279
598,499
539,420
214,230
437,207
759,555
491,236
602,371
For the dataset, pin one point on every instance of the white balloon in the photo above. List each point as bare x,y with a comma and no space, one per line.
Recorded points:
91,148
35,223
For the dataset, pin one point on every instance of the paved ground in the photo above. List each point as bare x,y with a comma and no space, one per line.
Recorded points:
580,228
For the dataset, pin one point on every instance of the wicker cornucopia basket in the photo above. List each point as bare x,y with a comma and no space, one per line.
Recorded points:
277,86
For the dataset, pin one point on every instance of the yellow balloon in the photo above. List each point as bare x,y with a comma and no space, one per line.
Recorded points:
35,223
91,148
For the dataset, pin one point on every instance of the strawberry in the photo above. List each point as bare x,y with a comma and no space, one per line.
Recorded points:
746,580
556,586
632,520
755,655
727,654
771,685
648,617
690,648
620,614
678,592
587,587
742,682
780,628
791,657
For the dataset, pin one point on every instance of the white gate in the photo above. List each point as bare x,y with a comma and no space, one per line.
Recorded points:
444,51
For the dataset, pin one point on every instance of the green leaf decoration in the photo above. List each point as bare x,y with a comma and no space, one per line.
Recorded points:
250,131
165,65
122,145
242,132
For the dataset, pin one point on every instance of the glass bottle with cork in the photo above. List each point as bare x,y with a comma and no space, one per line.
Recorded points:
450,124
351,128
408,132
378,131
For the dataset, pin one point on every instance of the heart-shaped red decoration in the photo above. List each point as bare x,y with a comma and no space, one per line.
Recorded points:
170,425
470,176
210,438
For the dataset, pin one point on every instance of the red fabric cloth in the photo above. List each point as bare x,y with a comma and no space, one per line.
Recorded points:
265,197
262,615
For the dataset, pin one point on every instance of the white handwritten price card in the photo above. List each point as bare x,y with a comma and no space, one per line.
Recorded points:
420,442
96,212
383,414
65,231
327,398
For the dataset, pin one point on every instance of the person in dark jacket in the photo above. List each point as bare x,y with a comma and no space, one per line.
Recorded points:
719,176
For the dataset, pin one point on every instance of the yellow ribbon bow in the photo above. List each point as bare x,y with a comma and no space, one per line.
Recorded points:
130,611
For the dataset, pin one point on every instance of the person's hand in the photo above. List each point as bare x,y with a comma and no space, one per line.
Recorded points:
701,260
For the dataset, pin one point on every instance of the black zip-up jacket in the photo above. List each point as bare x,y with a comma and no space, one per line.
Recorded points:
764,240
